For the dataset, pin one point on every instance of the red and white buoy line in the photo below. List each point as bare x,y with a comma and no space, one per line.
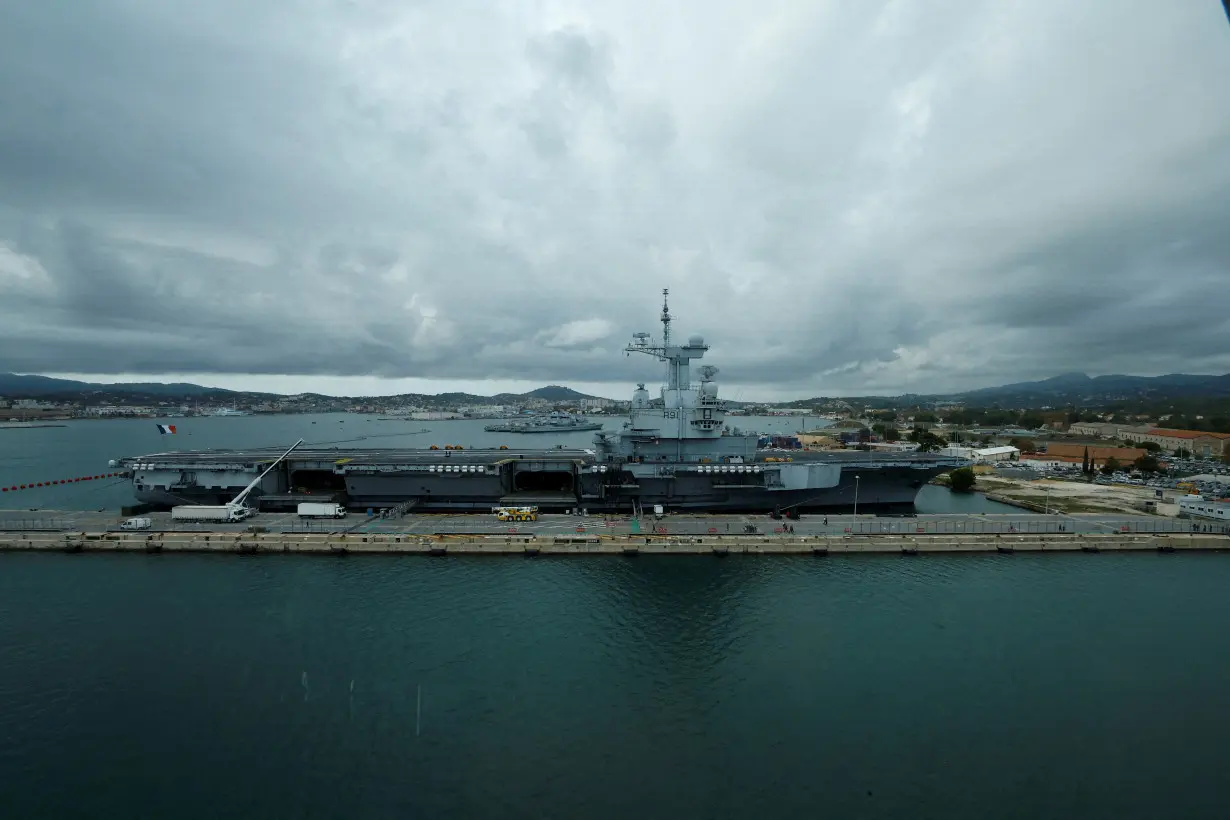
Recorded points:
37,484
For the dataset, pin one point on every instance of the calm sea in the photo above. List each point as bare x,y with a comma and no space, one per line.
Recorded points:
1085,686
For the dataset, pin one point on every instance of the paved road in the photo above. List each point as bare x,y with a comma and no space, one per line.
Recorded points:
669,525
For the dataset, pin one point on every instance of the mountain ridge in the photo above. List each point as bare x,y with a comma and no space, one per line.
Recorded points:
32,386
1076,387
1065,388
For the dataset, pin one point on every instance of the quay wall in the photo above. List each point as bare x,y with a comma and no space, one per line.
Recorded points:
393,544
1016,502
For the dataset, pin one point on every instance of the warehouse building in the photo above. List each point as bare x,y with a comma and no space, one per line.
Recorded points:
987,455
983,455
1198,442
1124,455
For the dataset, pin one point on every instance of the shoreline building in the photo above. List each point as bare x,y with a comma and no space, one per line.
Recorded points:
1198,442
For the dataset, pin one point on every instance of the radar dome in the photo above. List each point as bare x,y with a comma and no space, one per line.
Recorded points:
696,341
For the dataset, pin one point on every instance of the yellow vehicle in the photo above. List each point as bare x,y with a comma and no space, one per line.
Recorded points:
516,513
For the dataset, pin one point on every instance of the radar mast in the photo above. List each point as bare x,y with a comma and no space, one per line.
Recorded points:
666,319
677,357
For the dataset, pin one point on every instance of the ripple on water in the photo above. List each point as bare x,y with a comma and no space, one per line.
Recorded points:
608,687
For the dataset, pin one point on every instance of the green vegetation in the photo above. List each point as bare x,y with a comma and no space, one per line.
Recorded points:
1030,420
1204,413
998,418
1025,445
961,480
926,440
1214,424
1147,464
886,432
1087,465
1112,465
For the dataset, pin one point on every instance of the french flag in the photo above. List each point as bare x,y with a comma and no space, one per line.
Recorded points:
166,428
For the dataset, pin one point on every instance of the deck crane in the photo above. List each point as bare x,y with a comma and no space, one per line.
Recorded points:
234,510
237,503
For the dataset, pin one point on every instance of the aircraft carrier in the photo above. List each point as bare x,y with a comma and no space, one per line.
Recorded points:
678,453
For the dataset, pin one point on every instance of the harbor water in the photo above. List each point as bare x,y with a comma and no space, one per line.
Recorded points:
1016,686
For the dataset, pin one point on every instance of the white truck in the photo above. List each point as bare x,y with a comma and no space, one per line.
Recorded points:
311,509
195,512
227,513
137,524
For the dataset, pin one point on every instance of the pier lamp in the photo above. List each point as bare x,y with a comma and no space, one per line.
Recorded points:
856,495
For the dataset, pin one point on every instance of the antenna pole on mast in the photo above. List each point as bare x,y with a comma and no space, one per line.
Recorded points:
666,319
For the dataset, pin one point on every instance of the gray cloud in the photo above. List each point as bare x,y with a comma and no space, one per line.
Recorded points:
872,197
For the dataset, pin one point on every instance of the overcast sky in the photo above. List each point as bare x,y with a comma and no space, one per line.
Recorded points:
369,196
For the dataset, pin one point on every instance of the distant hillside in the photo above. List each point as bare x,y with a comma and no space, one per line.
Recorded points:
1067,388
16,386
1079,388
13,385
552,392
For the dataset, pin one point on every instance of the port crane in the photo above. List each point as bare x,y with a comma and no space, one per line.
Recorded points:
237,503
233,510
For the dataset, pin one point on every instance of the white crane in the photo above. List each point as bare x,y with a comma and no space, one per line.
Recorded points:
237,502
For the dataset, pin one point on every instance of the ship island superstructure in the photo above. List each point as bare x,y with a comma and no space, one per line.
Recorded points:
678,453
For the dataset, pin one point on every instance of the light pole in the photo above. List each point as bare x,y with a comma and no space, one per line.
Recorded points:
856,496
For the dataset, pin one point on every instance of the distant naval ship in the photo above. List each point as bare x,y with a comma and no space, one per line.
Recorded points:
677,452
554,423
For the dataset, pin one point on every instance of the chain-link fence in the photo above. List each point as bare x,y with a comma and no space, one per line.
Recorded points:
561,525
849,525
34,524
319,526
1039,525
808,526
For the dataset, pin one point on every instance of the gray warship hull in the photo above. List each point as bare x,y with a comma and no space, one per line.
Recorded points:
552,479
580,427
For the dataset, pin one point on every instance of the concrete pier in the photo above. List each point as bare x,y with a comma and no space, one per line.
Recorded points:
719,535
534,545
